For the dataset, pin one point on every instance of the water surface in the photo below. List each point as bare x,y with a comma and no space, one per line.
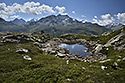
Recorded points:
76,49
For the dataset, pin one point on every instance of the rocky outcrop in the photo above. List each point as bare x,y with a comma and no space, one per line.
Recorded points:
24,37
50,46
21,38
117,42
98,48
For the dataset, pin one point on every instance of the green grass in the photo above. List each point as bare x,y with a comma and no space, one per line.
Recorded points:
50,69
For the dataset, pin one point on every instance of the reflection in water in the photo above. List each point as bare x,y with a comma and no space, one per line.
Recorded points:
76,49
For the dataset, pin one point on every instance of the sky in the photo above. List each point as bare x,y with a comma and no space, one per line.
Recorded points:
102,12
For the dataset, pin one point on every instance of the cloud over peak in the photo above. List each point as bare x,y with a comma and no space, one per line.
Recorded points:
107,19
27,8
121,17
60,9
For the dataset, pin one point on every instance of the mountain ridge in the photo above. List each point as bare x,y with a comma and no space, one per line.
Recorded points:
54,25
115,26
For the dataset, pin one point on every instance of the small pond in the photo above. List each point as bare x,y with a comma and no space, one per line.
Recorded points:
76,49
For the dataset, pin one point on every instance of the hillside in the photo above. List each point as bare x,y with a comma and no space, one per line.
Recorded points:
41,66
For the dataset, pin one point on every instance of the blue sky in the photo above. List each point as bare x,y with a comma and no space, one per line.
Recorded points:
98,11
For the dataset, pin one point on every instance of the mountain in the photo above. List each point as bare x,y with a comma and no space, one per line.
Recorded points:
115,26
19,21
61,24
9,26
59,20
54,25
32,20
2,20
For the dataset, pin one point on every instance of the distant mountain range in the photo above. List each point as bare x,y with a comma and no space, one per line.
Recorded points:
115,26
19,21
53,25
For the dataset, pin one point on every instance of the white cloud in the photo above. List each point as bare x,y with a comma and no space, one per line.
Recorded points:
83,16
2,6
121,17
105,19
64,14
95,17
27,8
14,16
95,20
31,4
60,9
73,12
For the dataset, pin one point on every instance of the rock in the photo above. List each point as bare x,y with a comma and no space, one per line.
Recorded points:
83,67
107,48
53,52
61,55
118,56
103,67
22,51
27,58
68,79
107,74
114,39
118,60
98,48
10,41
115,66
105,33
37,44
13,38
94,58
105,61
123,59
67,62
85,50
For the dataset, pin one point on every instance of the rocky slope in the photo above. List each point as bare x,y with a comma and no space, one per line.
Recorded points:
27,57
